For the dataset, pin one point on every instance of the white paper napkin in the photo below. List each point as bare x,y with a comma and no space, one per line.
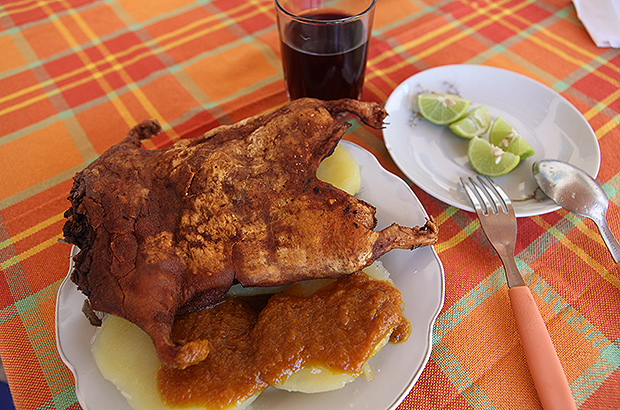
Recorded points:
602,20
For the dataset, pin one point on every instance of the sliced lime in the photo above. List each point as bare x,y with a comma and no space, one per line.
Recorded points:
475,123
503,135
442,108
487,159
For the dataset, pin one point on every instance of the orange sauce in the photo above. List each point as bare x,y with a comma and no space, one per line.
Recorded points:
338,326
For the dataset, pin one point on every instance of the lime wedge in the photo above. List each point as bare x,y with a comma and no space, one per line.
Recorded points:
442,108
476,122
487,159
503,135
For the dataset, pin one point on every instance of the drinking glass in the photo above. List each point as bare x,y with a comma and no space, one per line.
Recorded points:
324,46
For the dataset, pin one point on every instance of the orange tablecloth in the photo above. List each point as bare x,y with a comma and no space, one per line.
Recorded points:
75,75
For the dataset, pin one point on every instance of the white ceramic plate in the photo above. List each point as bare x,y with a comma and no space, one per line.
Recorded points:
434,158
418,274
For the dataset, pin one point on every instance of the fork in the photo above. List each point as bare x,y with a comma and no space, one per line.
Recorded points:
499,223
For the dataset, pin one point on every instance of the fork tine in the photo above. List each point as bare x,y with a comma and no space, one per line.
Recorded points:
481,204
488,200
472,196
491,195
486,196
505,203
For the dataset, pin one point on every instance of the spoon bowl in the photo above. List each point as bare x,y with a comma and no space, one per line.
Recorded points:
576,191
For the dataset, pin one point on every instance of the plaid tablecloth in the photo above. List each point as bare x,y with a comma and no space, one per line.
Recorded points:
75,75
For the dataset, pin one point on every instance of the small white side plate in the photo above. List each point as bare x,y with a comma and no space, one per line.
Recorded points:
434,158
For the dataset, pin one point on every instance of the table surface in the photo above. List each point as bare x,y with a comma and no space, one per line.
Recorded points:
75,75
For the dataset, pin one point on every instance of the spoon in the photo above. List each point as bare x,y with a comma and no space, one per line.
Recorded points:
573,189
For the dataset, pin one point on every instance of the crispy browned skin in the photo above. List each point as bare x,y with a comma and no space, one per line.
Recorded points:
164,232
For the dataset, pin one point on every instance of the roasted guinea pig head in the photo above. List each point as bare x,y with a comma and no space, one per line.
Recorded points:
165,232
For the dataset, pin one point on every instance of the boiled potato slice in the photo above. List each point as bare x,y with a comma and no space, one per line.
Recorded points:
341,170
378,272
317,378
125,355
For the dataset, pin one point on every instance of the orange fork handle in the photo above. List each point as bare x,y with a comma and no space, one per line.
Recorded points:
545,367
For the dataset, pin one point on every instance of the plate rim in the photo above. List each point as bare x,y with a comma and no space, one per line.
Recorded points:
67,287
451,200
63,357
442,289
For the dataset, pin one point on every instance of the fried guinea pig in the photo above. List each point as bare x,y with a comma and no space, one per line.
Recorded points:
168,231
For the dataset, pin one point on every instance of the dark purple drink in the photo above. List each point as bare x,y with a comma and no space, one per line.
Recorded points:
324,60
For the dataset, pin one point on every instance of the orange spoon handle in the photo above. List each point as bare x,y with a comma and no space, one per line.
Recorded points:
545,367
